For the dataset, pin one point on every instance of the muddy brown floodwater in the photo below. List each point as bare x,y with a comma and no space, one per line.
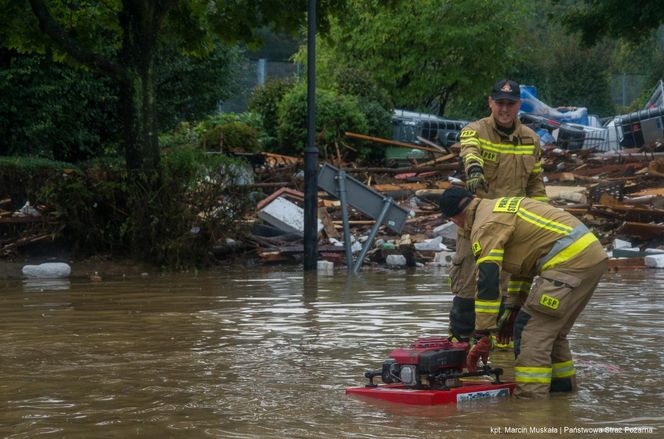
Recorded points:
267,353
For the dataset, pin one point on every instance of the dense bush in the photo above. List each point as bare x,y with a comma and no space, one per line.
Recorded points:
265,101
335,114
174,220
22,178
232,136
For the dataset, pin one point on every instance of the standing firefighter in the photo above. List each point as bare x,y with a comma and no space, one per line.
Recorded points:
501,157
526,238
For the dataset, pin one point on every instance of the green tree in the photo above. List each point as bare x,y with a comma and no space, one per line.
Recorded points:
617,19
425,52
120,38
190,87
564,72
53,110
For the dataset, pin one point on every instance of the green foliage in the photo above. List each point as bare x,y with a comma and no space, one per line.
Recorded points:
21,178
190,87
427,51
373,100
580,78
615,19
52,110
335,114
173,221
232,136
564,72
265,101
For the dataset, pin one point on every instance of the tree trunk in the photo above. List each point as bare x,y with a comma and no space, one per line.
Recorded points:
137,91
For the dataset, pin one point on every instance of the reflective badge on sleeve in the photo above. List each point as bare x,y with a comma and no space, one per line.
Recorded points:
508,204
549,302
490,156
468,133
477,248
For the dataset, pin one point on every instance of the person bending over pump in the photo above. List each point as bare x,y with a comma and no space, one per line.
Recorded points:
526,237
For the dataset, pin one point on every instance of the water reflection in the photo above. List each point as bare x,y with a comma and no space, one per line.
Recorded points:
268,353
42,285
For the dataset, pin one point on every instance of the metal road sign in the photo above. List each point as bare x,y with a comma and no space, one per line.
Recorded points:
362,198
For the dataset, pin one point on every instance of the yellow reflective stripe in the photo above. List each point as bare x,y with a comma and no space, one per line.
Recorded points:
532,374
472,157
506,148
470,141
563,370
487,306
494,255
570,251
544,199
544,223
514,286
537,168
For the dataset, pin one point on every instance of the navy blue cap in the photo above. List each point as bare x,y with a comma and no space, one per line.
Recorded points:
454,200
506,89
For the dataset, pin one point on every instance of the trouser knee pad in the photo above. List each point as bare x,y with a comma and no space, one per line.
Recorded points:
462,317
561,385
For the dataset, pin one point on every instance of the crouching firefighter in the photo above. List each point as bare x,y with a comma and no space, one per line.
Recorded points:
526,238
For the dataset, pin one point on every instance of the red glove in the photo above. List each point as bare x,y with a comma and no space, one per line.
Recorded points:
479,351
506,325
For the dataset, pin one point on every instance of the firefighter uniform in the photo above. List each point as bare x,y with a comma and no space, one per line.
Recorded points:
527,238
512,166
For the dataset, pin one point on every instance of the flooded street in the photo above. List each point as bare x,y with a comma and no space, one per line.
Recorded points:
268,352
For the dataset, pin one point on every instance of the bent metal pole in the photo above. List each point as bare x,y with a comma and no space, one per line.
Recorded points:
311,151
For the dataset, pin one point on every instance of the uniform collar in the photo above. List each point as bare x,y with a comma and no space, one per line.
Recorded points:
494,125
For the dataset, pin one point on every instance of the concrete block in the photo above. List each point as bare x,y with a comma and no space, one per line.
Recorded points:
395,260
286,216
447,231
619,243
430,244
654,261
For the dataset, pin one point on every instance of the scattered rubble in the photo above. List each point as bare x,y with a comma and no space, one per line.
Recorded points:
614,188
610,176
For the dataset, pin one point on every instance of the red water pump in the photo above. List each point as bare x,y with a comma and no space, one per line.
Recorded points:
432,362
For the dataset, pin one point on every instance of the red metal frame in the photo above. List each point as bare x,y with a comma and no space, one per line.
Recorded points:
398,393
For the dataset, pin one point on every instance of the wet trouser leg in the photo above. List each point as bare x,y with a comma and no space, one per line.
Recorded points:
463,280
543,358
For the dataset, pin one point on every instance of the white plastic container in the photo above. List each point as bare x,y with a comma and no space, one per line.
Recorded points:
47,270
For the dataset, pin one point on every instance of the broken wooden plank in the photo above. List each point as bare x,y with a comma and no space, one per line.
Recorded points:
433,145
283,191
657,191
393,187
392,142
642,230
328,224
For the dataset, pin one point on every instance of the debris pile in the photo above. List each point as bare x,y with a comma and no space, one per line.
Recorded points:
611,177
24,226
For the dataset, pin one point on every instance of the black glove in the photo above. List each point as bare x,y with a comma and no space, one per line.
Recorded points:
476,179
